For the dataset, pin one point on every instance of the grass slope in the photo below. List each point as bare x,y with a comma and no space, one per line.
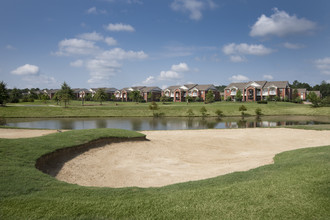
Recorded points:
295,187
122,109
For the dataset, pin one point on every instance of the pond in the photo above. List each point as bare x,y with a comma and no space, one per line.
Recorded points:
165,123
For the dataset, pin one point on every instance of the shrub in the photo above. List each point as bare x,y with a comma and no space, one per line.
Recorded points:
203,111
25,98
3,120
258,111
262,102
228,99
286,99
198,99
219,113
297,100
190,112
277,99
242,109
326,101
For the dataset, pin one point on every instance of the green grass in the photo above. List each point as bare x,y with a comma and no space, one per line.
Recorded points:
129,109
295,187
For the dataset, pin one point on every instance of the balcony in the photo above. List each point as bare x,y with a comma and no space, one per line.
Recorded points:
272,92
233,93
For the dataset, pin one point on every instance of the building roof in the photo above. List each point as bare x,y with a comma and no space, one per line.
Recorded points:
258,84
302,90
206,87
151,89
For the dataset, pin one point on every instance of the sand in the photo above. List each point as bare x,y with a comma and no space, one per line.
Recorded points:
23,133
184,155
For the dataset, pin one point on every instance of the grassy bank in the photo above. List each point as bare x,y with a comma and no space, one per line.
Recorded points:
295,187
122,109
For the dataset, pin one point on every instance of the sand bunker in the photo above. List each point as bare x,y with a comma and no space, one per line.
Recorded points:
23,133
180,156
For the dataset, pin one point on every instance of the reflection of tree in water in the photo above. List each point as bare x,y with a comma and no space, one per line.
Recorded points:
207,124
101,123
136,124
190,122
67,124
241,123
153,123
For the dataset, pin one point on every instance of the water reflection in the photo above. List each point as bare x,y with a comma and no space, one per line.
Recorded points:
165,123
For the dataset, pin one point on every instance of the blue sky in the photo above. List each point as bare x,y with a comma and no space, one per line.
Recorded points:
122,43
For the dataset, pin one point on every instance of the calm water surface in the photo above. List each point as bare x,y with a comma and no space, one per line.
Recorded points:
166,123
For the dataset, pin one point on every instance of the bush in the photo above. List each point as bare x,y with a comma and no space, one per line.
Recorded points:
286,99
219,113
277,99
228,99
30,99
25,98
262,102
326,101
3,121
198,99
258,111
203,111
297,100
190,112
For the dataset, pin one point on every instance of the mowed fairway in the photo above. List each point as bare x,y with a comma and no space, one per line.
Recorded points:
296,186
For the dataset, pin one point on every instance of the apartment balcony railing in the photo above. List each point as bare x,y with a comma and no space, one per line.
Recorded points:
272,93
233,93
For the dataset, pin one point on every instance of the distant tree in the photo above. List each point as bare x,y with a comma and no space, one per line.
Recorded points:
113,98
314,99
238,96
209,97
242,109
221,88
295,94
135,96
66,93
324,89
258,112
299,85
44,98
203,111
4,96
15,95
100,96
57,97
153,106
190,112
219,113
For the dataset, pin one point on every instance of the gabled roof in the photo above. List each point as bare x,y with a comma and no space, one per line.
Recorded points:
278,84
302,90
205,87
151,89
256,84
172,88
190,86
239,86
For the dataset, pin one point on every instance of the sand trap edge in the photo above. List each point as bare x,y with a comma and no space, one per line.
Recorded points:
51,163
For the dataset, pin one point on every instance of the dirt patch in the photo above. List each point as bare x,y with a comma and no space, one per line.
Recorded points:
23,133
185,155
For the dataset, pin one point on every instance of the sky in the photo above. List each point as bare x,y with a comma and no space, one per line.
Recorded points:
123,43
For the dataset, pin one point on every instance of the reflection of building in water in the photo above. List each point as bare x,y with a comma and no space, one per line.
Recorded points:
231,125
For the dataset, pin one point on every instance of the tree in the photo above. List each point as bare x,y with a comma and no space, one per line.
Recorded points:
209,97
295,94
238,96
57,97
135,96
219,113
258,112
66,93
203,110
153,106
100,96
15,95
44,98
3,93
314,99
190,112
242,109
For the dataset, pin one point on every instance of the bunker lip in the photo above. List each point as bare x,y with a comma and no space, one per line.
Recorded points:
51,163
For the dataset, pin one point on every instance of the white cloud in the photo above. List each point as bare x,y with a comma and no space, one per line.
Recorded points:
237,59
238,78
77,63
110,41
92,10
323,65
280,24
76,46
10,47
268,77
109,63
119,27
253,49
149,80
293,46
181,67
40,81
95,11
26,69
169,75
193,7
93,36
